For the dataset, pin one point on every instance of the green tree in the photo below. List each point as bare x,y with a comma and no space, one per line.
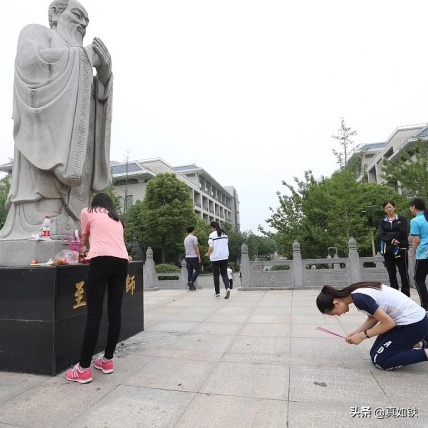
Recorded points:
326,206
236,239
135,233
409,170
111,191
166,211
134,229
287,218
327,212
331,210
260,246
344,136
346,142
4,190
330,214
202,231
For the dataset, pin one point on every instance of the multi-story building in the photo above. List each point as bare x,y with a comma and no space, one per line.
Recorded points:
6,168
212,201
372,156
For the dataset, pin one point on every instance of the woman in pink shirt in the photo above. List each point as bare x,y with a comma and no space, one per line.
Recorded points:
102,233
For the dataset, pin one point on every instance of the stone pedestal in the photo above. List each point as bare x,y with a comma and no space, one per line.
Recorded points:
43,314
21,252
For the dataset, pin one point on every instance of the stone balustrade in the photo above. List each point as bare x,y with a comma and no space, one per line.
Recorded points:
297,273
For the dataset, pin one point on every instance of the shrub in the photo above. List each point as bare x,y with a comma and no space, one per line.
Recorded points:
167,268
280,267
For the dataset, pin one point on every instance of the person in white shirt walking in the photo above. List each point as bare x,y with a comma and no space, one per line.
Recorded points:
218,252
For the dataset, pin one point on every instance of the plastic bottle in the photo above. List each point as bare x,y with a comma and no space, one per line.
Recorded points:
46,227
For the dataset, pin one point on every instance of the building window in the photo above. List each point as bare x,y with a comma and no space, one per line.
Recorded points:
388,154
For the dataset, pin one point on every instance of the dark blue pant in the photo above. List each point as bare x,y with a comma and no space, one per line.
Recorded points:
193,268
104,273
220,268
394,348
421,272
392,262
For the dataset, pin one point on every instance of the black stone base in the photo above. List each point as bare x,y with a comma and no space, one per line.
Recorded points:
43,315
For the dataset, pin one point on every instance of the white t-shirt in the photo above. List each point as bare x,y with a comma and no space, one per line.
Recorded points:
229,273
397,305
220,246
189,245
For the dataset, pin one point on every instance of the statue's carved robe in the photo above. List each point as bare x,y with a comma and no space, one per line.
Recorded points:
62,119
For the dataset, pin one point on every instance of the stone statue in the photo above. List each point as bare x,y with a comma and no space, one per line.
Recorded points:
62,119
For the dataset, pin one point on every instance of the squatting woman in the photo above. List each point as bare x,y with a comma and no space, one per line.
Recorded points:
396,321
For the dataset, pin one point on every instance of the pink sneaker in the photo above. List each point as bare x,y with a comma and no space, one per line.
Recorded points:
79,374
106,366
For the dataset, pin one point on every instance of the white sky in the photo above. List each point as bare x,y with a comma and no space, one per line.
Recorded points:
249,90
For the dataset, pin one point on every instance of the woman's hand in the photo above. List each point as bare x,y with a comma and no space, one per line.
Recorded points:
378,323
355,339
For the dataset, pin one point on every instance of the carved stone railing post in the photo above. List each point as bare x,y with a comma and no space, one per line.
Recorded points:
379,264
297,265
354,262
245,267
149,272
183,274
336,265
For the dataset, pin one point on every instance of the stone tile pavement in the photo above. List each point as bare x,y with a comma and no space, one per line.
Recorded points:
255,360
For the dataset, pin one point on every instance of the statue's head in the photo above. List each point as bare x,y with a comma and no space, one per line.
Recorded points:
56,8
70,19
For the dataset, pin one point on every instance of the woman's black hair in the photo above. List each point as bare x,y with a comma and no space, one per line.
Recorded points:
217,227
328,294
388,202
102,200
420,205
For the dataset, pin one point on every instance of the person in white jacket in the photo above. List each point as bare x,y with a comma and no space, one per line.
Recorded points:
218,252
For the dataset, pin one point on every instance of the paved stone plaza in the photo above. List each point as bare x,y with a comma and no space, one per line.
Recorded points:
255,360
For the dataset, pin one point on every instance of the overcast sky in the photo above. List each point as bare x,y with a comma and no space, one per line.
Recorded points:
251,91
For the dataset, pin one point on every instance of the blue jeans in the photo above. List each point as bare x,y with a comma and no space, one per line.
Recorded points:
105,273
193,268
394,348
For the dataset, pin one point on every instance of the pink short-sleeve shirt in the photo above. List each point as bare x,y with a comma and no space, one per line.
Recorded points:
105,234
